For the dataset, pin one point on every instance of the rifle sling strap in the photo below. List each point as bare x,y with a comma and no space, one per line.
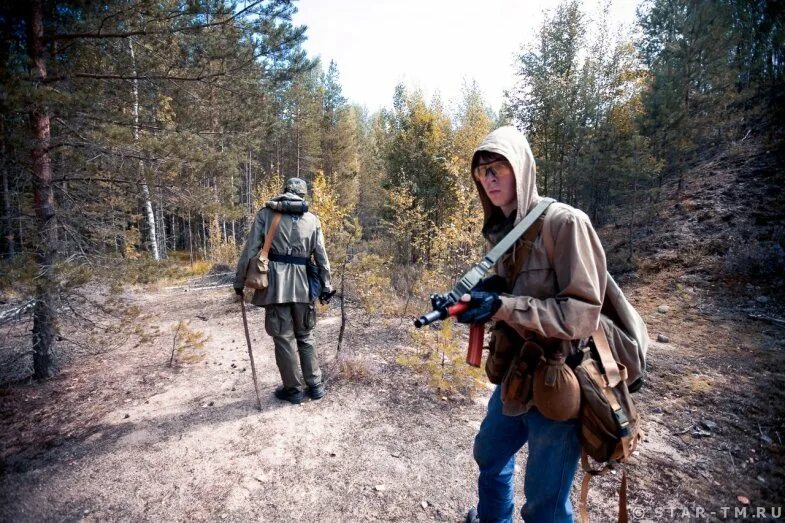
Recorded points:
268,238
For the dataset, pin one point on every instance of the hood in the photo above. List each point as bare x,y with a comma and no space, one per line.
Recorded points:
512,144
288,203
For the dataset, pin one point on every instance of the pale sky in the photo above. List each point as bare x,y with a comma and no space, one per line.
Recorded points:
427,44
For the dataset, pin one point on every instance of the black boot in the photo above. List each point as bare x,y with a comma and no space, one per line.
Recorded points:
316,392
472,516
292,395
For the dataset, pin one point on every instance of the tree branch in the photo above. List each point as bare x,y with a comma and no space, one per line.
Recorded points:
143,32
199,78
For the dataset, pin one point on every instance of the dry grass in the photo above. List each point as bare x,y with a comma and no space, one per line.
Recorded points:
350,367
199,268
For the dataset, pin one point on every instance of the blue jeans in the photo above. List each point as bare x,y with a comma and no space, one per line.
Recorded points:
554,450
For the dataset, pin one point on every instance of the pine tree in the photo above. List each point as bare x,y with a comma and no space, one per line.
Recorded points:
125,102
417,160
545,101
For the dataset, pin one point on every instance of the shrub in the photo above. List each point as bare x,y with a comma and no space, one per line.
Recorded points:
187,344
442,358
372,284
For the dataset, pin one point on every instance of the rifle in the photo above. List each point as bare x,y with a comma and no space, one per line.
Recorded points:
449,304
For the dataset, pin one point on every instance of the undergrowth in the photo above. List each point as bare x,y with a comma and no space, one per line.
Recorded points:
442,359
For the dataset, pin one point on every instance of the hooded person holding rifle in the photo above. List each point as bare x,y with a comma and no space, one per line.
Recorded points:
545,300
290,314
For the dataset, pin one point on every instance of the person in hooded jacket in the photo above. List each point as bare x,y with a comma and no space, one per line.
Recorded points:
552,303
290,314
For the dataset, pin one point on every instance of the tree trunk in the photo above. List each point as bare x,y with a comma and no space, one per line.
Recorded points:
298,152
204,238
161,221
631,247
190,238
7,226
174,232
248,191
146,202
44,314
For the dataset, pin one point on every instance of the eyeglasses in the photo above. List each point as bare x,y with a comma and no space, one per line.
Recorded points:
497,169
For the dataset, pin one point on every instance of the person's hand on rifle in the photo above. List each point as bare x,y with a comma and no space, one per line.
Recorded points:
482,306
326,296
494,283
239,292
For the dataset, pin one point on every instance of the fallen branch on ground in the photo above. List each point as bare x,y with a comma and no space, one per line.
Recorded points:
174,343
12,314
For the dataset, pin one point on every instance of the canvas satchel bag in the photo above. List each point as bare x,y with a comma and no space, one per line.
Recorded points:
256,274
610,425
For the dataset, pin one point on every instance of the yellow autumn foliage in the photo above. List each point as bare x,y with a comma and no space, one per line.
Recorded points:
270,187
325,203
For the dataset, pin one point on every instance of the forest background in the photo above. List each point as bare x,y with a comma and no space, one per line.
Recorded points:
138,139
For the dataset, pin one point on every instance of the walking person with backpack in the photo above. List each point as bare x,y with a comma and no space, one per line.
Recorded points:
291,237
545,299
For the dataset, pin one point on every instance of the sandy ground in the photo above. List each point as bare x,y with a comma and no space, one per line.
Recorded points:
119,435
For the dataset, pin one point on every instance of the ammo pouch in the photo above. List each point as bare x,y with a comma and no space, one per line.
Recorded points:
517,385
502,347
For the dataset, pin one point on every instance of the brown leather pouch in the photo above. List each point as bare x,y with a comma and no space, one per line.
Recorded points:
557,394
502,347
517,385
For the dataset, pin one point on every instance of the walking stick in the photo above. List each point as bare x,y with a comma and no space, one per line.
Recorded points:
250,353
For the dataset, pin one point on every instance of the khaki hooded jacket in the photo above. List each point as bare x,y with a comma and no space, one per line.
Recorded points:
297,235
558,294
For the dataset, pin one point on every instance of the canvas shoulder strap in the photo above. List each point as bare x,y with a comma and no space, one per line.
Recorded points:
612,372
268,239
588,473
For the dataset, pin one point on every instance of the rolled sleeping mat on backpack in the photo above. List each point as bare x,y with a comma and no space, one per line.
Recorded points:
288,206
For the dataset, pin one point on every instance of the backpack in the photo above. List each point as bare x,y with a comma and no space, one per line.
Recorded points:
627,336
613,365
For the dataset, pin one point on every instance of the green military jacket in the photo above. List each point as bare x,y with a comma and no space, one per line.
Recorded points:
297,235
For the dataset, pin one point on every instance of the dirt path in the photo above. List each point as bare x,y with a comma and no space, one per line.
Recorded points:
126,438
121,436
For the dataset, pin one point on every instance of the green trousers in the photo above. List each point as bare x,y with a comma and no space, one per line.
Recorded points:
291,327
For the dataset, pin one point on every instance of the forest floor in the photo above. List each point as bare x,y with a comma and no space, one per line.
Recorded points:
121,435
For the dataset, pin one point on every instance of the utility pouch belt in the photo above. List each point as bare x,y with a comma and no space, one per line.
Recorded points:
314,280
286,258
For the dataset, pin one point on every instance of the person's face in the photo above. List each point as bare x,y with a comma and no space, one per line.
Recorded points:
498,181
